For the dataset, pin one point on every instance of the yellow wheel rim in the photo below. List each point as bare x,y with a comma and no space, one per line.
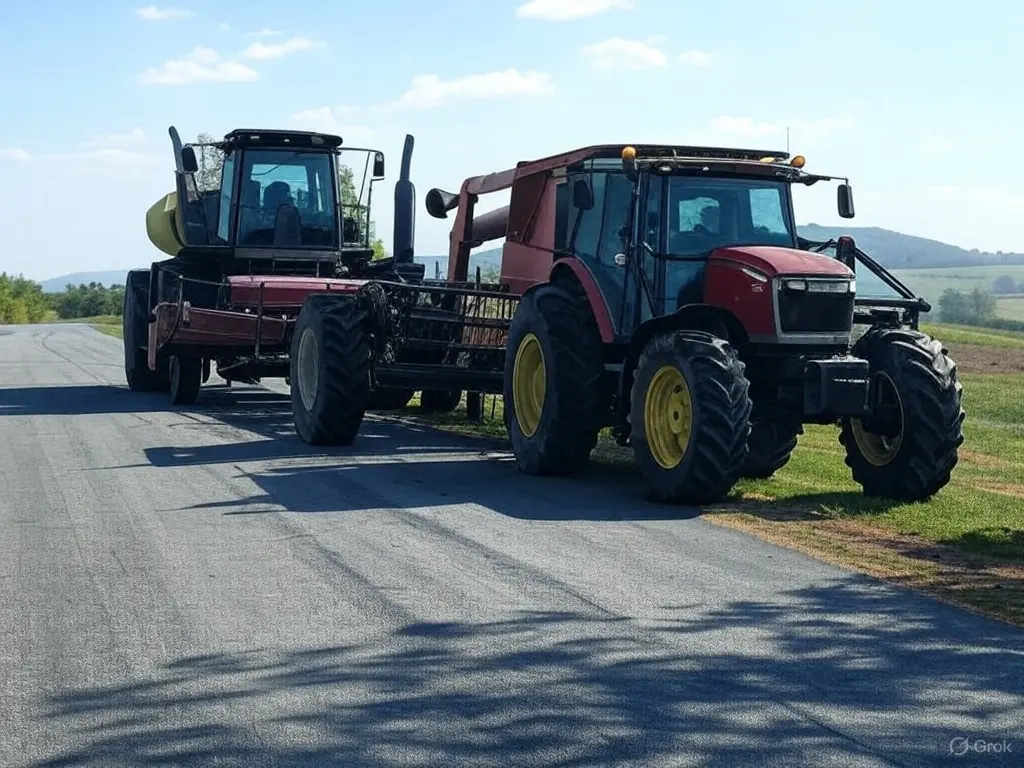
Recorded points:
529,383
668,416
879,450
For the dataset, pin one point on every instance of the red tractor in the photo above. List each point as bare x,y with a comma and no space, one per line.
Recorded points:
665,293
277,227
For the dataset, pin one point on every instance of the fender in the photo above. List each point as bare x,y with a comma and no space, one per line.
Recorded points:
593,293
692,317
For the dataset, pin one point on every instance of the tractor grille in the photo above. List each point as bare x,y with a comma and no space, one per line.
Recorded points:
805,312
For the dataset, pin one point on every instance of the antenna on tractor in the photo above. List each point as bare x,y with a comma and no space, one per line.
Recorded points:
787,139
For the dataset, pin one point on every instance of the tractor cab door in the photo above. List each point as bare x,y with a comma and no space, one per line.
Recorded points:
599,236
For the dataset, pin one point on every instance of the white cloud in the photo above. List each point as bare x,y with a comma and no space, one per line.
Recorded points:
203,65
267,51
569,10
224,27
428,91
15,153
619,54
801,130
327,120
134,138
266,32
696,58
153,13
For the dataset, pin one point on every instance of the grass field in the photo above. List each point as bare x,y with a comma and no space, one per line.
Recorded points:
1011,307
965,546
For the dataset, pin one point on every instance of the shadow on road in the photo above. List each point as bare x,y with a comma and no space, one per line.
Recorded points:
837,674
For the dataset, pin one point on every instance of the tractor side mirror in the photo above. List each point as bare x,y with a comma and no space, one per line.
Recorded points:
378,165
844,201
582,197
188,160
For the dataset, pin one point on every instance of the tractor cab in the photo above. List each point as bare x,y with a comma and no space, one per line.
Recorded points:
269,196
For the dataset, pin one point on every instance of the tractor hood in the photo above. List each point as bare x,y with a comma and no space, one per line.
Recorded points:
773,261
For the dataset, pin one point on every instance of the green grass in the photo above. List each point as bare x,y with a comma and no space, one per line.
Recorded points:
965,334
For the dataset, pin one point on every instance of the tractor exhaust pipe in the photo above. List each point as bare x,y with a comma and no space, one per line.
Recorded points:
402,249
487,226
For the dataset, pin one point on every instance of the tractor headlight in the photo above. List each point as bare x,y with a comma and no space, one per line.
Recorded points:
821,286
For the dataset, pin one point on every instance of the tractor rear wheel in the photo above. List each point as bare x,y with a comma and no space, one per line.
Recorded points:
186,379
906,450
440,400
329,370
771,445
134,332
552,389
389,399
690,417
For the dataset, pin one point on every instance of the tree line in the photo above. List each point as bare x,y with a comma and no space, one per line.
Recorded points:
976,307
21,301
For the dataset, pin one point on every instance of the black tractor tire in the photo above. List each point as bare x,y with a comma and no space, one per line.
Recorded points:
716,403
389,399
916,463
440,400
771,445
330,370
134,332
186,379
554,333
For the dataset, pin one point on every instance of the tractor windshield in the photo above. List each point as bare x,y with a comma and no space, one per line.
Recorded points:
355,177
286,200
708,213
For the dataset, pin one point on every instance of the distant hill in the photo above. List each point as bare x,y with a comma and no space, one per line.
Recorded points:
59,284
895,250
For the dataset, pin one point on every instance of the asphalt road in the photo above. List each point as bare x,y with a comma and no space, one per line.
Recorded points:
195,586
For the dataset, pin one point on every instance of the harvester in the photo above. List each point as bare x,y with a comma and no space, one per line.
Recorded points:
276,227
664,293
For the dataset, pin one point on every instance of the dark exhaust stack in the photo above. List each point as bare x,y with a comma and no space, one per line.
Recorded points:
405,209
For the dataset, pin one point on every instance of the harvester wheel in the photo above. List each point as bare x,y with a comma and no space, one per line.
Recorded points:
440,400
771,445
134,331
389,399
186,379
330,370
552,390
690,417
909,449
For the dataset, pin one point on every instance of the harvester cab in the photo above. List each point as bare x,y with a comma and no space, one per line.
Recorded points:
274,201
667,294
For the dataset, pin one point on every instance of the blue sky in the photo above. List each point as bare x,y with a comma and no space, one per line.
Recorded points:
915,101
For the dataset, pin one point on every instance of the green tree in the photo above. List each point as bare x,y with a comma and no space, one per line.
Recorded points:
1004,284
350,203
210,161
21,301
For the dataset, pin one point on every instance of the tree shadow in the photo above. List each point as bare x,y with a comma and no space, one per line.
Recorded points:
839,674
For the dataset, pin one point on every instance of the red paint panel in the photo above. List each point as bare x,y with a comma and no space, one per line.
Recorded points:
212,328
281,291
772,261
594,296
524,265
726,286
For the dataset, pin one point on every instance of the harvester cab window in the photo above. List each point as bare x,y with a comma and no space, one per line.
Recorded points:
287,200
227,192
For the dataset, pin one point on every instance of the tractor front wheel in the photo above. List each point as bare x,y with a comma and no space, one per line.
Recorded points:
552,389
690,417
329,370
186,379
135,332
771,445
907,449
